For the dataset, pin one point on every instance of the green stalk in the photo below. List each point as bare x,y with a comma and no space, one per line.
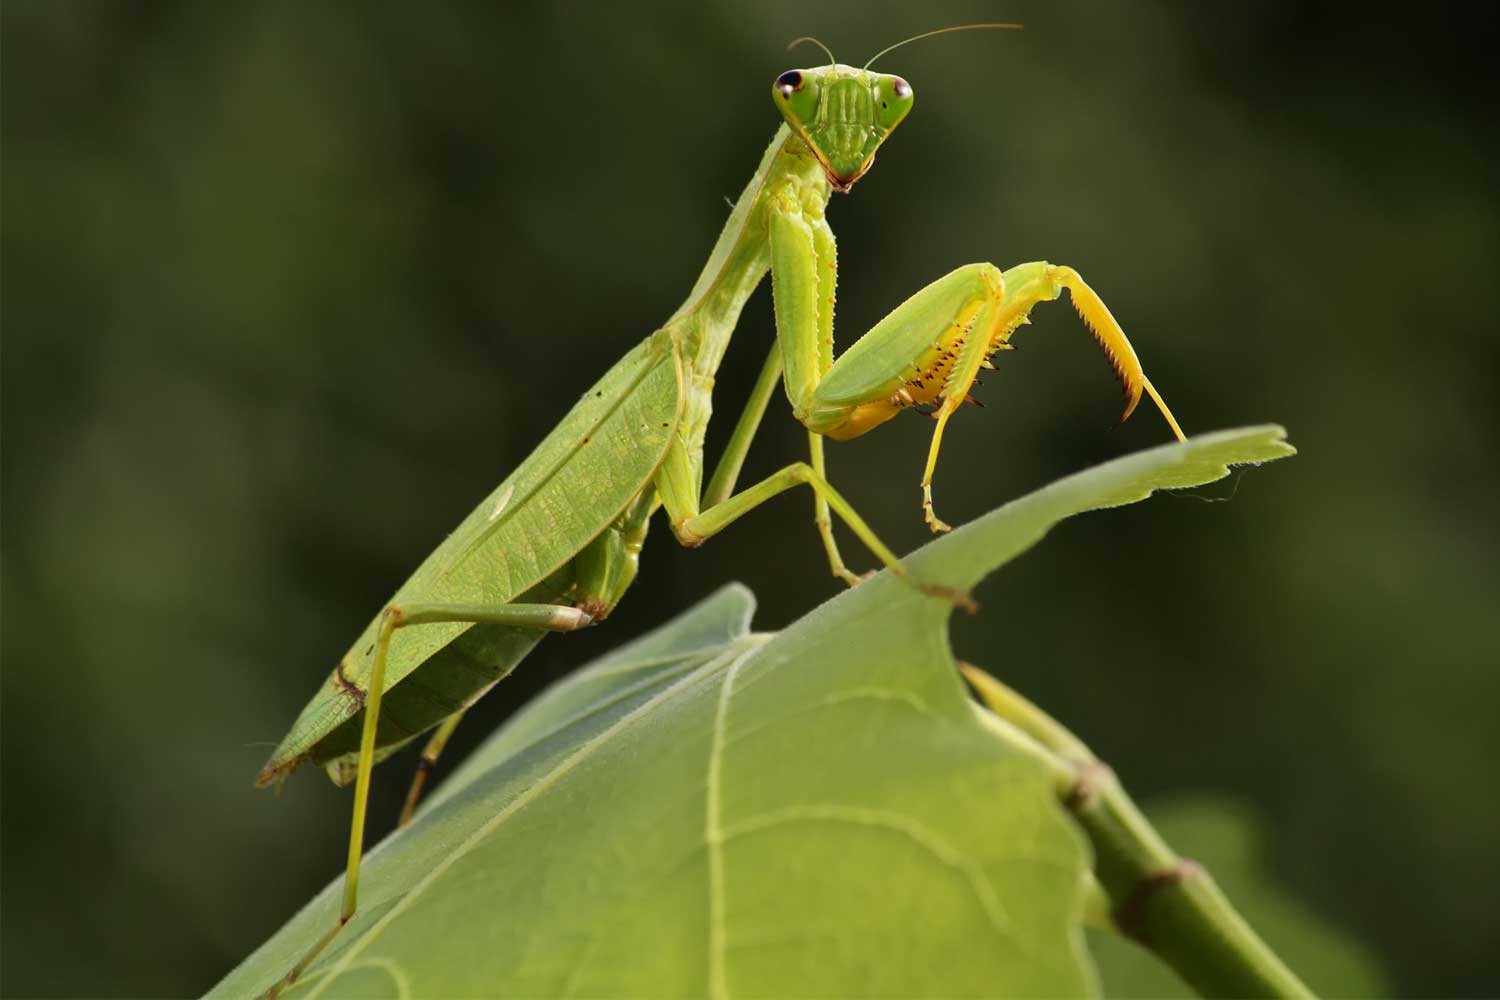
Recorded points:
1168,904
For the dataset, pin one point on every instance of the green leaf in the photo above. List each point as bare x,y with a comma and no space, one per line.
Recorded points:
710,811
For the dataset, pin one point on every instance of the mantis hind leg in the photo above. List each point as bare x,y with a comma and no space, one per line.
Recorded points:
430,754
551,617
604,568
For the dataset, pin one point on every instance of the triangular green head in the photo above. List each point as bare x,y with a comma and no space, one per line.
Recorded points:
843,114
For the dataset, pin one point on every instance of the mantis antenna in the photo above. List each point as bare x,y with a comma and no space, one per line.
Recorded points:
808,38
939,31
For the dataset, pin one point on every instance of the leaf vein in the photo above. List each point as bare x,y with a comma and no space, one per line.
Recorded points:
573,760
713,838
898,823
838,698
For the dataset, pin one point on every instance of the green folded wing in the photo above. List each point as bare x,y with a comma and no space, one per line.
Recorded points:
517,541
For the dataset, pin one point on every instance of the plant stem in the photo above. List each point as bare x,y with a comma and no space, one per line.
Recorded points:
1168,904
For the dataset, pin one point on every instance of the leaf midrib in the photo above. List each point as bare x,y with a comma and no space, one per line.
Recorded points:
731,658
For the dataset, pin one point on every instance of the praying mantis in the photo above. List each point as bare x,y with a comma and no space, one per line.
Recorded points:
555,546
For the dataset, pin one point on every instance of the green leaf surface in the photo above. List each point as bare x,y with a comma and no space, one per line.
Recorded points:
713,812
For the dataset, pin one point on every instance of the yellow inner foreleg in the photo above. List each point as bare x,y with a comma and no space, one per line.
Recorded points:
1023,287
944,374
1106,330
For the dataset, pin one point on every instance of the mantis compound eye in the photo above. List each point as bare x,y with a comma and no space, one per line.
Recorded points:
893,99
795,93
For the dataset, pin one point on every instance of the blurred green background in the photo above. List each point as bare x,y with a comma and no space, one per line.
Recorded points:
289,286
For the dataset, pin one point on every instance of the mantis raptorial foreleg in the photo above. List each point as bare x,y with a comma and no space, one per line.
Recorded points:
551,617
928,351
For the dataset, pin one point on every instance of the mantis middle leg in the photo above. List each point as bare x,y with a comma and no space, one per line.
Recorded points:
693,524
722,483
430,754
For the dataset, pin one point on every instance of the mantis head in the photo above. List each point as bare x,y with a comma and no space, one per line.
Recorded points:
843,114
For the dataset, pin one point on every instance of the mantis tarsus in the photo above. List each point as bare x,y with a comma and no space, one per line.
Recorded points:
555,546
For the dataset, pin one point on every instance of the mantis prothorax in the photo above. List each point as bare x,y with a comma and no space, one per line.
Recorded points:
555,546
